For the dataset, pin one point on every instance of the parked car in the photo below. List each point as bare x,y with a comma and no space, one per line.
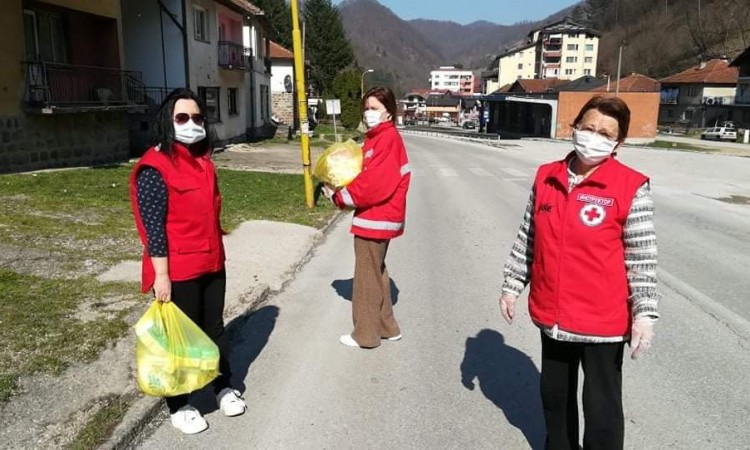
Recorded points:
469,125
720,134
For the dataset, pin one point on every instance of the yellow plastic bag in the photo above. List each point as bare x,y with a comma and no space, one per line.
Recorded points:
339,164
173,355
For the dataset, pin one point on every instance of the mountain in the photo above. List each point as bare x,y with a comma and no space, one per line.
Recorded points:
404,52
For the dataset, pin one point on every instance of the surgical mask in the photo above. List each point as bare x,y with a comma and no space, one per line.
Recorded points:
592,148
189,133
372,118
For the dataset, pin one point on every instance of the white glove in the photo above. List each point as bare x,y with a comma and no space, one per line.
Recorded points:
508,306
641,336
328,191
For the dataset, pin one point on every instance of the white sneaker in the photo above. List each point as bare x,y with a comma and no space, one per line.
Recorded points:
230,402
348,340
188,420
394,338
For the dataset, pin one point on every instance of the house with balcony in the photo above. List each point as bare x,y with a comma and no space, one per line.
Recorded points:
742,96
699,96
452,78
414,104
64,92
564,49
217,48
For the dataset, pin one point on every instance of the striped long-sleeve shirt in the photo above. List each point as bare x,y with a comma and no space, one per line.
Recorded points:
639,238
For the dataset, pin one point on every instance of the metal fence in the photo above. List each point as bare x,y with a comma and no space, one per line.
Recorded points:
53,84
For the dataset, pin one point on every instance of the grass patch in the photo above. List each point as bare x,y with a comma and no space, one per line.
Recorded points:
680,146
40,333
101,425
83,215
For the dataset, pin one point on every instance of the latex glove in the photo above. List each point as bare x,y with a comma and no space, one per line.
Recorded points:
641,336
508,306
328,191
162,288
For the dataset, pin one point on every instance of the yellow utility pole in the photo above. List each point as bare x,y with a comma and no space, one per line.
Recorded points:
299,74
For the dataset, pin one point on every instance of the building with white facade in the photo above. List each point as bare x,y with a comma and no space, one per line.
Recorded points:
452,78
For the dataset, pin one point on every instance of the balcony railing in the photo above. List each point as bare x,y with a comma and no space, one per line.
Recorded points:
552,54
53,85
718,101
235,56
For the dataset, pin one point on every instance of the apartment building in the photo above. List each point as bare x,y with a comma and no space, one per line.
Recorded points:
452,78
742,96
564,49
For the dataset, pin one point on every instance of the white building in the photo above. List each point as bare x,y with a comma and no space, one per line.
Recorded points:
452,78
217,48
283,89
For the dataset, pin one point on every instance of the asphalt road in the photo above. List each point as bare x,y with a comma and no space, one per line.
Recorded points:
461,378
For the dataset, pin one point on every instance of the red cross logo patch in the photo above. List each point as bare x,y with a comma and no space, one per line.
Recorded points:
592,215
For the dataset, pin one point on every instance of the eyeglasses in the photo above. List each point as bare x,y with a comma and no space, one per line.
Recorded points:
601,133
182,118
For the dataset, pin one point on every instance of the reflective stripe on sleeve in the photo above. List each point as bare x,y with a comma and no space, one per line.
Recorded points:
405,169
377,224
347,198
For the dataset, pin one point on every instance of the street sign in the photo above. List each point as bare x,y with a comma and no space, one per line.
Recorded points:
333,107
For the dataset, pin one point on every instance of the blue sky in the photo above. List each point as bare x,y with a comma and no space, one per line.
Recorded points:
503,12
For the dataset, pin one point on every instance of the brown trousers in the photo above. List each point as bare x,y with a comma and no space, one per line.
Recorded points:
372,309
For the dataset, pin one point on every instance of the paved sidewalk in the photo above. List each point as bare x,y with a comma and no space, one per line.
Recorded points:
261,257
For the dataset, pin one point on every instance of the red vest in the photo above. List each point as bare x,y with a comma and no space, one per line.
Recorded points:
578,277
194,236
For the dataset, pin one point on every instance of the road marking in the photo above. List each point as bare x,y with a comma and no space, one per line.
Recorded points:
478,171
447,172
515,172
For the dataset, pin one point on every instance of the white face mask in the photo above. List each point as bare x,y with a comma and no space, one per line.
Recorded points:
372,118
592,148
189,133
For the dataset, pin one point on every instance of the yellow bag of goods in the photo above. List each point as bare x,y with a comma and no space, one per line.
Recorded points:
173,355
339,164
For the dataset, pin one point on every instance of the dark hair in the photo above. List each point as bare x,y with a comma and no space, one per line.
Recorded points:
385,96
162,129
613,107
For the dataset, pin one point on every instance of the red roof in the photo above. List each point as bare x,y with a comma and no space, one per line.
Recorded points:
635,82
716,71
537,86
504,88
279,52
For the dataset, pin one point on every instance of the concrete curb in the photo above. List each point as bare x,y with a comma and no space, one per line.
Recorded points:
143,411
491,142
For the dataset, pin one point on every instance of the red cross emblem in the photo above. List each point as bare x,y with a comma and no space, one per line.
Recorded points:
592,215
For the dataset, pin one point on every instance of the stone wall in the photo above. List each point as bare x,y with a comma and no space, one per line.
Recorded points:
44,141
283,107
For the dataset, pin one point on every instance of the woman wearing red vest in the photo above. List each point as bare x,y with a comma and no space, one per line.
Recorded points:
587,247
177,204
378,195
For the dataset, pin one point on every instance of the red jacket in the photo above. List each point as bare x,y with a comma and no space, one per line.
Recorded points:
578,276
379,191
194,236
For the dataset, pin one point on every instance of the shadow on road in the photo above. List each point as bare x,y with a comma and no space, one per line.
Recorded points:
247,342
344,289
509,379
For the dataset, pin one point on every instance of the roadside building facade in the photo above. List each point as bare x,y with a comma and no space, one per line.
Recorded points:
742,96
452,78
699,96
282,84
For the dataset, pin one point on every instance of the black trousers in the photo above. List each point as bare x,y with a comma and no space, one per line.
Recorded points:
202,300
602,394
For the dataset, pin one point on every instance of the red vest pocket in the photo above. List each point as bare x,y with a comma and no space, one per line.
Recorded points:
197,245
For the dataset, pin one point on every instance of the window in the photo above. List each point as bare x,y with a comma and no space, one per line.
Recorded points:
573,47
265,110
232,98
589,47
210,96
571,59
570,71
589,59
520,66
587,71
45,37
200,23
